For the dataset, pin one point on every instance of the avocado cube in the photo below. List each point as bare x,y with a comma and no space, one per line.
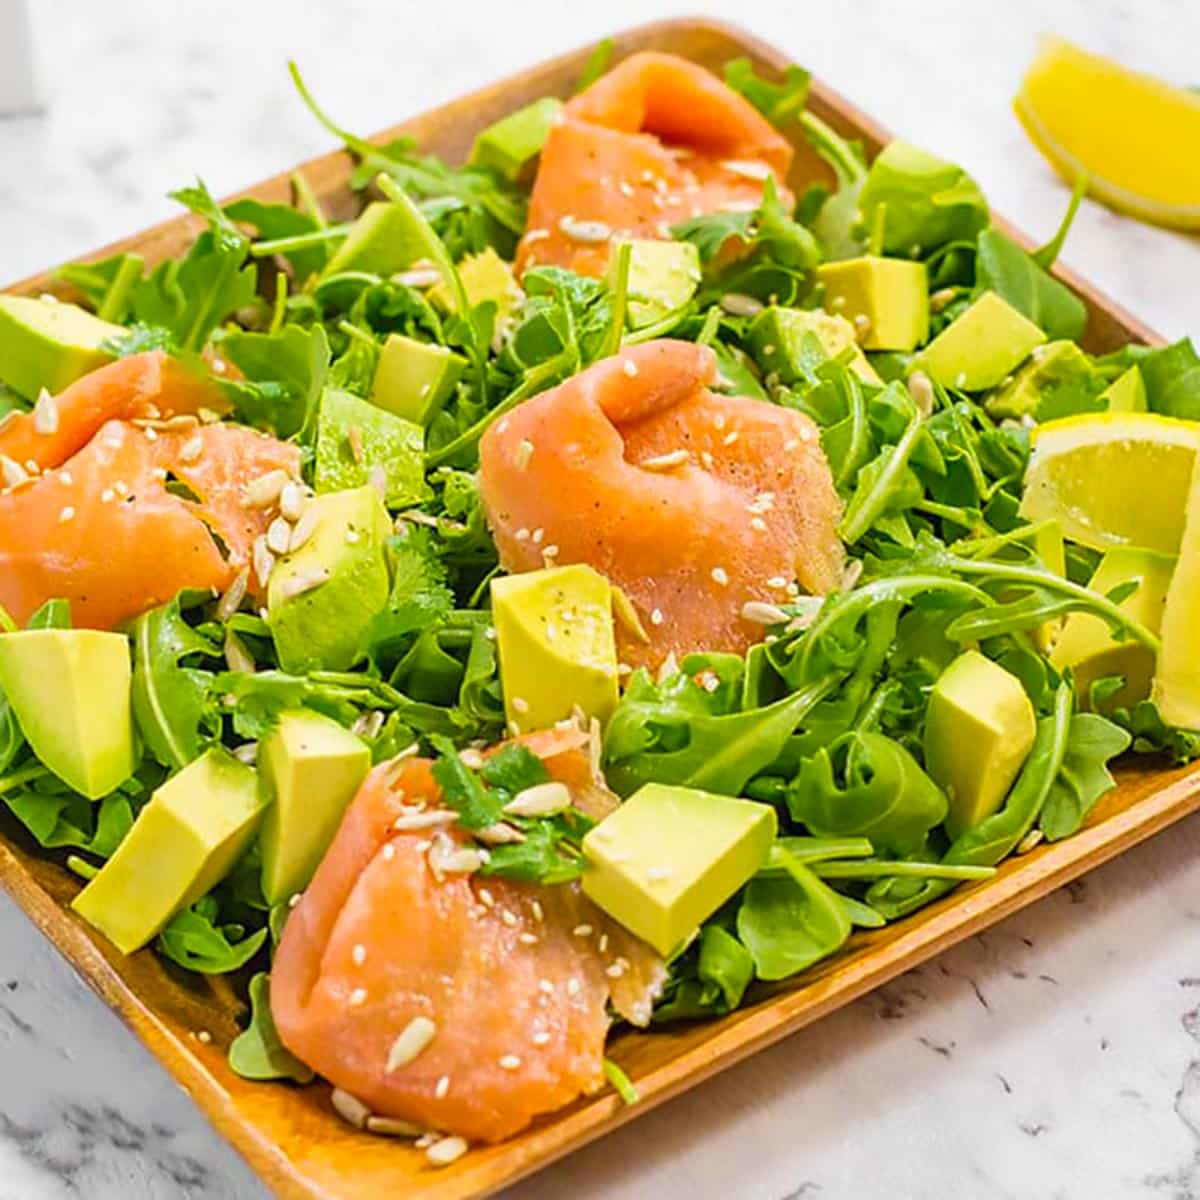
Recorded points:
45,343
310,769
517,139
981,346
183,843
383,240
356,440
887,297
669,857
414,379
790,342
557,648
1127,393
1086,644
1059,380
663,276
322,597
484,277
979,729
70,692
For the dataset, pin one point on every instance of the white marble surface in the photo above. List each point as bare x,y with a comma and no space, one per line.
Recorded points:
1055,1058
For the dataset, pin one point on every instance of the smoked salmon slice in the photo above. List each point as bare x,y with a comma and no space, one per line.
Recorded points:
147,386
513,979
106,533
654,142
693,503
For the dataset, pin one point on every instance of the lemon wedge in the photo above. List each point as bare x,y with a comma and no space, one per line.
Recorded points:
1113,478
1176,688
1134,135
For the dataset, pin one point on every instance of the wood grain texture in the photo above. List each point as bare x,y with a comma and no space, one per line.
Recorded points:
290,1135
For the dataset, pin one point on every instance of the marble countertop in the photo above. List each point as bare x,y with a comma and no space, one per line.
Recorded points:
1056,1057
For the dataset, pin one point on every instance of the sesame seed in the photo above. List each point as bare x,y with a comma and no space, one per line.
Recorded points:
151,435
509,918
357,997
582,931
443,1086
603,943
522,535
777,581
747,169
528,939
615,971
107,496
792,444
961,380
538,535
719,422
707,459
389,852
359,953
540,1038
730,438
720,575
410,1043
544,985
536,235
539,914
191,450
67,513
486,898
550,551
656,617
295,899
759,524
629,367
520,704
204,1036
573,986
353,537
510,1062
66,477
524,453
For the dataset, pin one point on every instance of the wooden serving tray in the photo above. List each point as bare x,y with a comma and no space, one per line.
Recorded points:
290,1135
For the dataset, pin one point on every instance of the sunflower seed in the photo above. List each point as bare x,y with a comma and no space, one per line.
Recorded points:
589,232
446,1150
410,1043
665,462
231,601
500,834
393,1127
304,528
292,501
303,582
749,169
279,536
541,800
264,560
14,474
762,613
45,413
737,304
264,491
350,1108
236,654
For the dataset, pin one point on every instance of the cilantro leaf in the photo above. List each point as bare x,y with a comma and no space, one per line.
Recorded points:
462,789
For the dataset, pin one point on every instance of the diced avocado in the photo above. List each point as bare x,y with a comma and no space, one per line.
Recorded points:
183,843
979,728
516,139
1059,380
49,344
414,379
669,857
322,597
663,276
484,276
310,768
1127,393
1086,643
887,297
356,440
788,341
70,691
980,346
384,240
554,636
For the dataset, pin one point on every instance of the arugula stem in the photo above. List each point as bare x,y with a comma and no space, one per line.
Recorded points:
534,381
300,241
833,147
25,775
351,330
920,870
862,514
620,302
306,199
112,307
280,310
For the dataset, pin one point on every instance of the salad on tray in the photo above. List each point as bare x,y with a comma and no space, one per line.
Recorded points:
581,588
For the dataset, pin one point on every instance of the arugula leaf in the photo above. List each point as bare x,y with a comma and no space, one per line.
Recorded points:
58,817
778,102
54,614
788,922
1172,378
283,221
921,201
191,296
173,704
1083,777
1001,266
596,64
106,284
709,981
257,1052
194,940
285,373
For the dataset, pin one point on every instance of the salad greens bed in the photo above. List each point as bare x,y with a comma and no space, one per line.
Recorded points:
824,719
